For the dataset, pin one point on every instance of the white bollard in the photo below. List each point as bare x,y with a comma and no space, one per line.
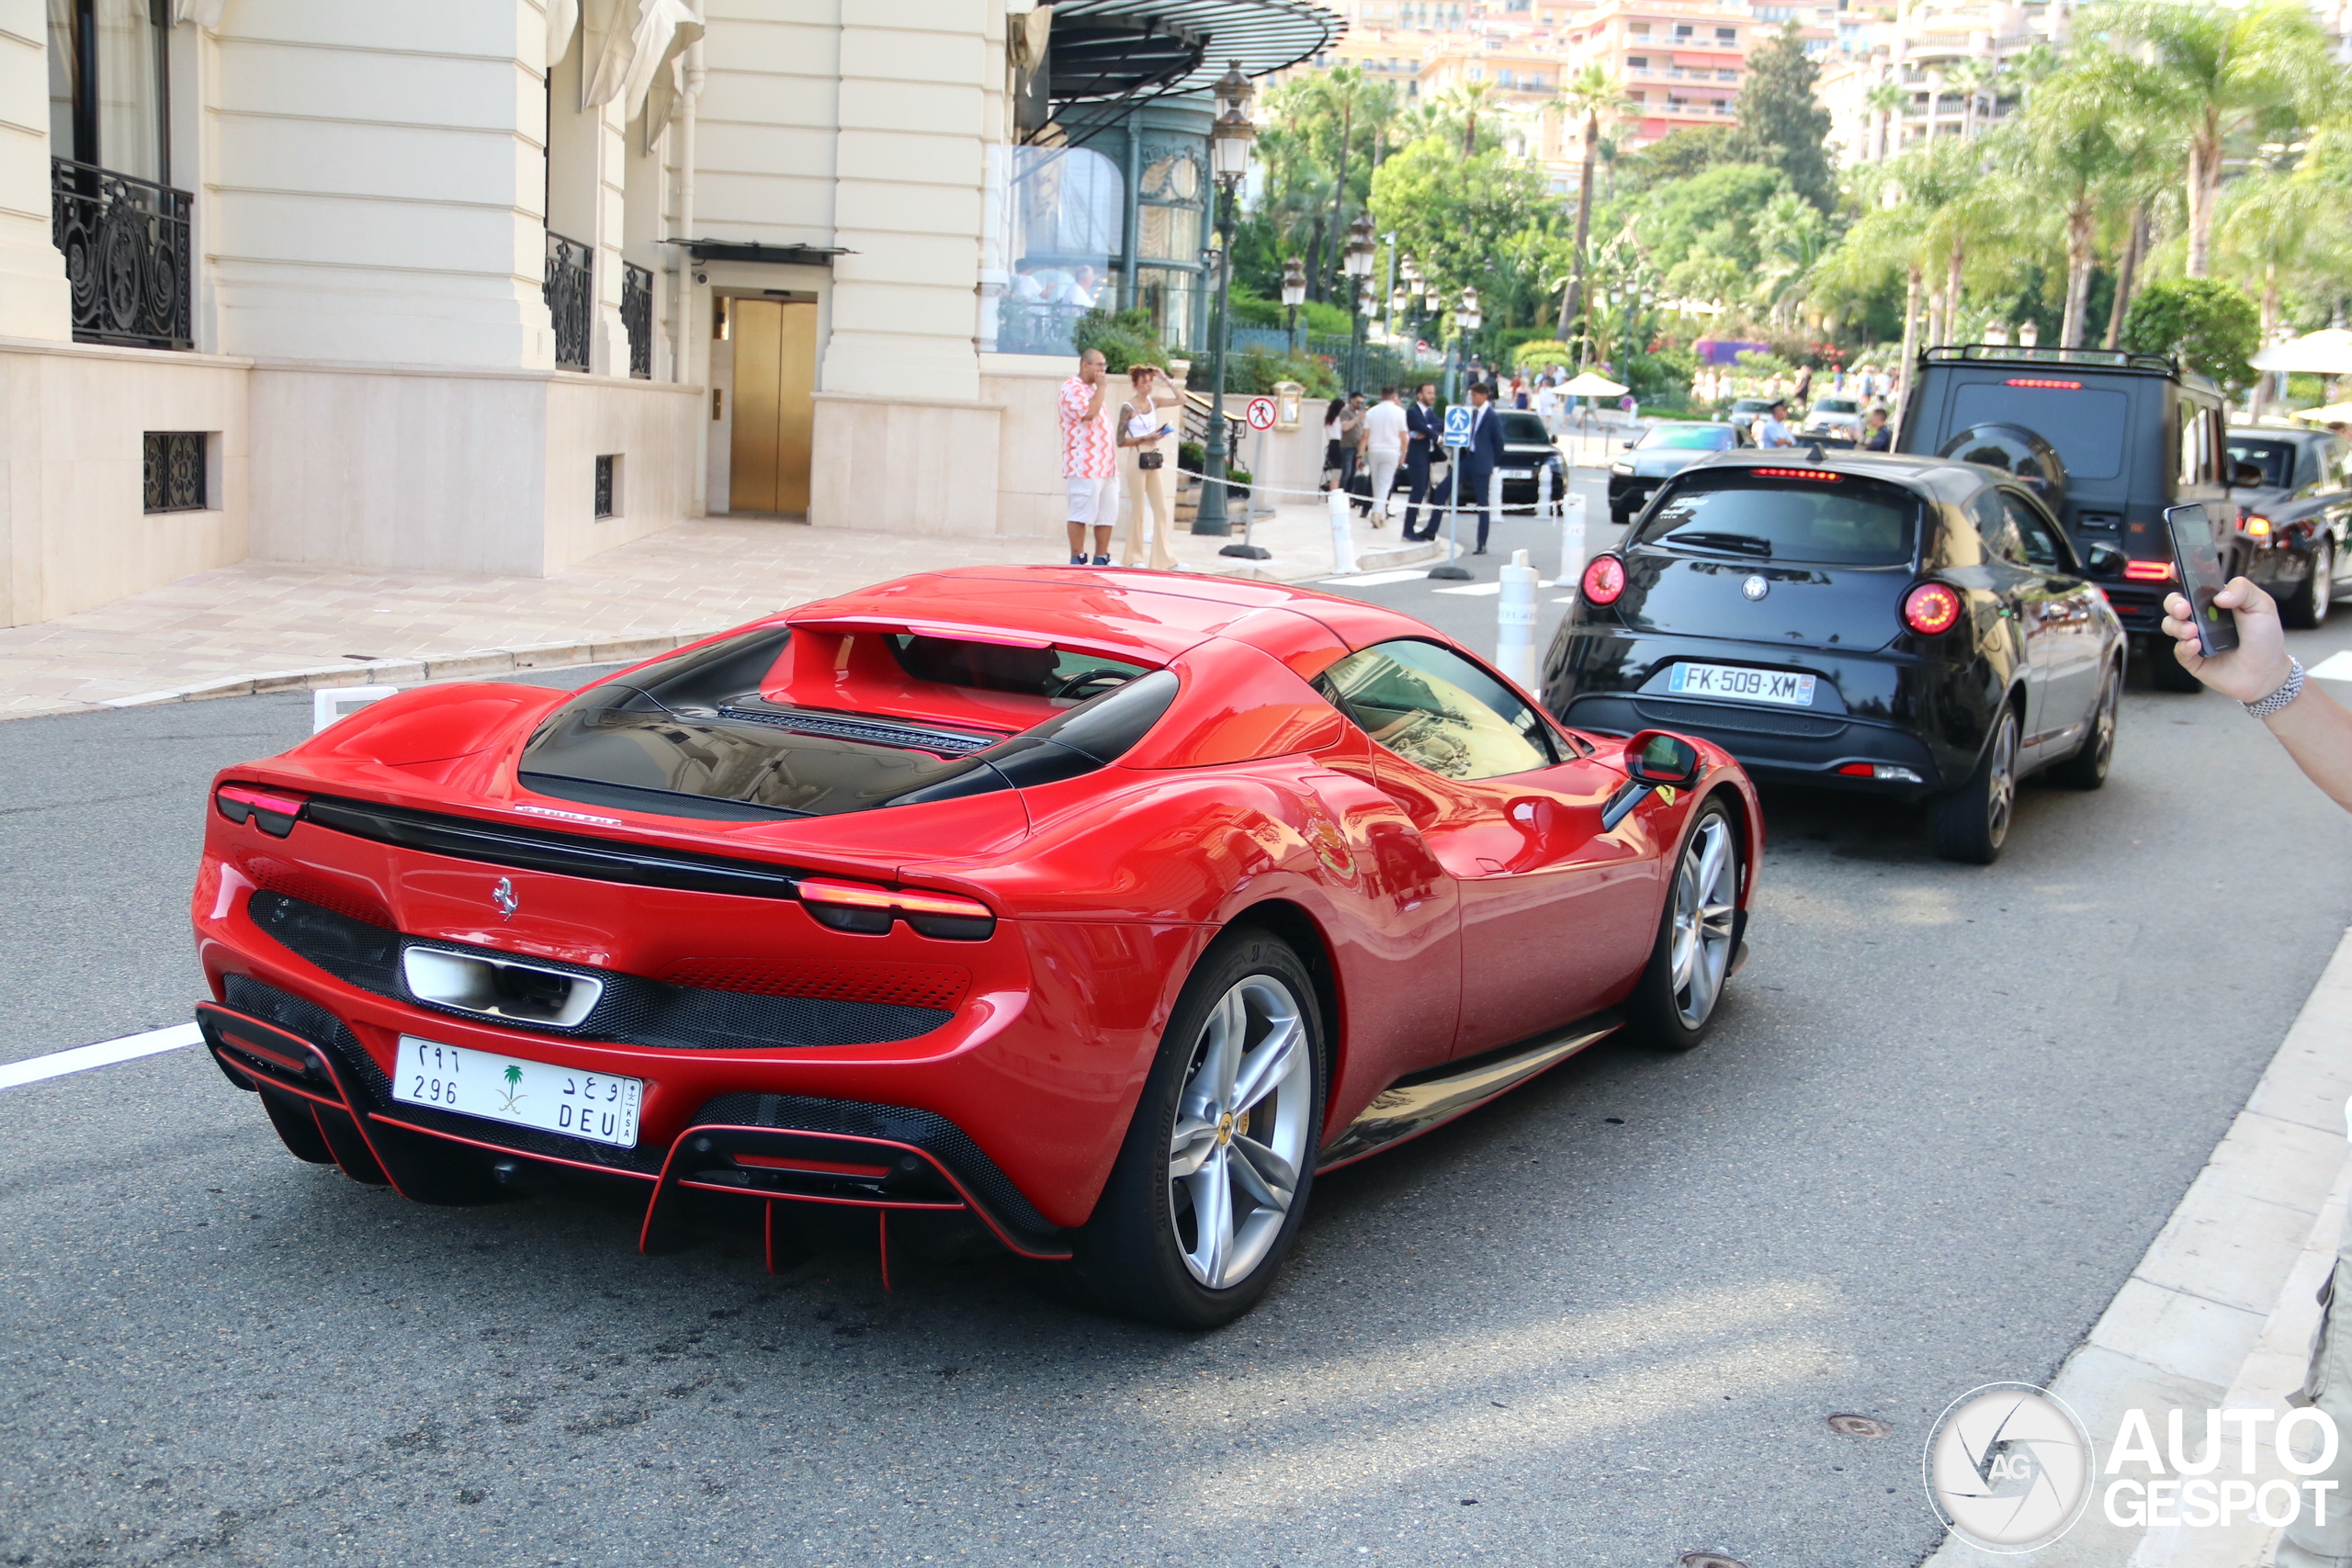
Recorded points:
1544,492
1494,497
336,702
1343,539
1572,544
1515,621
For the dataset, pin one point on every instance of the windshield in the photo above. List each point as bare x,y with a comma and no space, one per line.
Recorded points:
1526,428
1689,438
2085,423
2275,458
1827,520
1834,405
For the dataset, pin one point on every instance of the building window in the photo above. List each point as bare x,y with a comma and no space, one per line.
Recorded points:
637,318
608,484
1639,96
1637,62
176,480
1682,30
1069,219
1726,75
108,75
123,231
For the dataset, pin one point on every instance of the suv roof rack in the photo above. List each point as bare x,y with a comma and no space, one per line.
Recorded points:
2099,358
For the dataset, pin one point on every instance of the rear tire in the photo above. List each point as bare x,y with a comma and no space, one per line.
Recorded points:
1211,1182
1675,1002
2086,769
1971,823
2307,609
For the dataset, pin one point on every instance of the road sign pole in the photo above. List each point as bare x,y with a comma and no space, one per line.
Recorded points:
1457,437
1259,414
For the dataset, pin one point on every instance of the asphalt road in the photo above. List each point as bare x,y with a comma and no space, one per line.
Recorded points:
1600,1322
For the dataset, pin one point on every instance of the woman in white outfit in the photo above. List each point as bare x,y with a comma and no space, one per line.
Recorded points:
1144,434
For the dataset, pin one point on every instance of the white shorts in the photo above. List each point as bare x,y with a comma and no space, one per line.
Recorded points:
1094,502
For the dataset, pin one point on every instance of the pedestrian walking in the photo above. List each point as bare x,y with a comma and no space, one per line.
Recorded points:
1334,413
1144,434
1385,428
2317,733
1475,463
1422,430
1350,439
1090,460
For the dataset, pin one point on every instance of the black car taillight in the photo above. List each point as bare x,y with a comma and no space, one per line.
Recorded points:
862,908
273,812
1930,609
1604,580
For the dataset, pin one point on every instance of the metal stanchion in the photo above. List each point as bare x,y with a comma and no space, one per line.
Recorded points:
1572,544
1245,549
1450,570
1515,621
1343,539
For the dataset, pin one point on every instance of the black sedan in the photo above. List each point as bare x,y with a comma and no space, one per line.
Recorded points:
1914,626
2294,516
1666,447
1528,450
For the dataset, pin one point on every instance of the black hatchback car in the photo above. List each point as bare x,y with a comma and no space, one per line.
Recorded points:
1666,447
1913,627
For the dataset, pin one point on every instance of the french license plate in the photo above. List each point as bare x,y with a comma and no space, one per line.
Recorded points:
496,1087
1519,473
1742,684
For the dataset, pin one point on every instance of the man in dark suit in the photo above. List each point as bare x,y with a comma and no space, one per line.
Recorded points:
1422,430
1473,465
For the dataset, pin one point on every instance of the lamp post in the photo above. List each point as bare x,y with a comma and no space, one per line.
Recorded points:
1293,295
1358,265
1467,320
1230,159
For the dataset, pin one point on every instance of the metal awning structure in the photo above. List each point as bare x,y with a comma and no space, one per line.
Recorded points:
1105,57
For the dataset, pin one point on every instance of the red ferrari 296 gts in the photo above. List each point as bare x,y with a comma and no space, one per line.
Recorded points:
1103,908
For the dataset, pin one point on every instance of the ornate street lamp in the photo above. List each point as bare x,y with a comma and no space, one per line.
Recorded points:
1466,319
2029,335
1357,262
1293,295
1229,141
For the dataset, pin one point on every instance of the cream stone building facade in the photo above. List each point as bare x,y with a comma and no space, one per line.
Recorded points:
491,286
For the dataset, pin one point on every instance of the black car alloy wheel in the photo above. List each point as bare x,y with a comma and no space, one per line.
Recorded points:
1972,823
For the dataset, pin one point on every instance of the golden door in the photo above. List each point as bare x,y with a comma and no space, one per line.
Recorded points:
775,371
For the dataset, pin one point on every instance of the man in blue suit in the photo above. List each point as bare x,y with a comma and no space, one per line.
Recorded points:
1422,431
1473,465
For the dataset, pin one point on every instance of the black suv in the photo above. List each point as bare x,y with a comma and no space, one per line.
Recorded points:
2132,433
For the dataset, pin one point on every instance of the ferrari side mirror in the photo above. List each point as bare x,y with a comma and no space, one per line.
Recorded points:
1654,757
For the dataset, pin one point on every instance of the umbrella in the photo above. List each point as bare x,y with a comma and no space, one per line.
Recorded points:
1591,384
2327,415
2325,353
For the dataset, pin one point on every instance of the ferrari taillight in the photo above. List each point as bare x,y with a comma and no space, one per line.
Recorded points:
865,907
1604,580
271,811
1931,608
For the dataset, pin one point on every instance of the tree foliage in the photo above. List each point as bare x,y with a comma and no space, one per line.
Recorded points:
1782,121
1488,222
2211,326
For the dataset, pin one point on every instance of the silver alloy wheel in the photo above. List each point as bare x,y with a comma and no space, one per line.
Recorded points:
2001,781
1242,1131
1706,898
2322,579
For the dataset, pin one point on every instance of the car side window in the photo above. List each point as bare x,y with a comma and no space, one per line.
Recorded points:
2042,550
1436,709
1997,528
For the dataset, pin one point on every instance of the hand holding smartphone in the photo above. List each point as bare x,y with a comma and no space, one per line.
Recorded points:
2197,557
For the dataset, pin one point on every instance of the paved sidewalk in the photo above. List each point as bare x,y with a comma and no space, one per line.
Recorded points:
262,625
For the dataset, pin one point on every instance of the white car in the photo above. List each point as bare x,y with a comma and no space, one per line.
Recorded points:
1834,416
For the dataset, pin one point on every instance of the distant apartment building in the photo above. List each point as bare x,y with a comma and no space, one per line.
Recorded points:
1680,61
1945,62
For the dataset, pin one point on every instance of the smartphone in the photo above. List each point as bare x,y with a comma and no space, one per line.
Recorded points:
2199,559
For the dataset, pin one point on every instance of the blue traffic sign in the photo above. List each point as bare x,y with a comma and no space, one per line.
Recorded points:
1457,425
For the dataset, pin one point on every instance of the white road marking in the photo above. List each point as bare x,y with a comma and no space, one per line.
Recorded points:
2335,667
105,1052
1475,588
1380,579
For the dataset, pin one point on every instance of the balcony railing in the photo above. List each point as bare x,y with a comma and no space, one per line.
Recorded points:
127,253
636,318
570,292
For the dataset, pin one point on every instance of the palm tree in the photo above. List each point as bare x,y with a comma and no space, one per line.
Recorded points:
2271,224
1972,76
1466,99
1590,93
1887,101
2073,144
2214,72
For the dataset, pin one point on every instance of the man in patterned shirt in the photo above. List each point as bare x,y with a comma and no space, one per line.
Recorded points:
1090,460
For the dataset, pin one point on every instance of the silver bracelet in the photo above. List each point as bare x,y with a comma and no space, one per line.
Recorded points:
2288,689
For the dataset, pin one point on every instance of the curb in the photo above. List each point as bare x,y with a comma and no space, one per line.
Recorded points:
410,671
2220,1312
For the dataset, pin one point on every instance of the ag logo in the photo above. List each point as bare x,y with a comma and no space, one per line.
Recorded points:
2008,1468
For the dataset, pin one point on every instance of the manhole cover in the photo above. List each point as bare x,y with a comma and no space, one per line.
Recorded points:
1859,1427
1708,1560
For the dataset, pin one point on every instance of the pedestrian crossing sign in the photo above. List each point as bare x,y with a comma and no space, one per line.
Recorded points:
1457,425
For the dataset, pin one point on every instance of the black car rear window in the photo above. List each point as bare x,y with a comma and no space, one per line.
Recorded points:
2275,458
1689,438
1827,520
2085,423
1526,427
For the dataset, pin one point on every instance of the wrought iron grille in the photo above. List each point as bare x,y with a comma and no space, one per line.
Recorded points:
126,245
636,318
570,290
176,477
604,485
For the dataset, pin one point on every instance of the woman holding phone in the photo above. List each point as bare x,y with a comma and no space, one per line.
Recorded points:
1144,431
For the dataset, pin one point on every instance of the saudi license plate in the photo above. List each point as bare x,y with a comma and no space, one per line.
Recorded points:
499,1088
1741,684
1519,473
